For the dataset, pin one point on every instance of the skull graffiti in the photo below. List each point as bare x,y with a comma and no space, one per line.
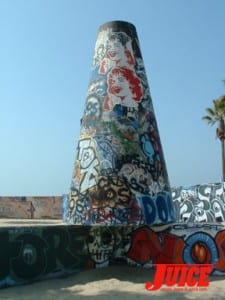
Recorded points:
100,243
92,108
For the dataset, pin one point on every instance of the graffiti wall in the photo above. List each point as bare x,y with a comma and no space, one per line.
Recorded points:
120,175
28,254
31,207
196,203
199,203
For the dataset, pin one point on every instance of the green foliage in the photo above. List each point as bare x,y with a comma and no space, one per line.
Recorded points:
216,113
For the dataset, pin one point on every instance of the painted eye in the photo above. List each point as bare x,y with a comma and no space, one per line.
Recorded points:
90,239
121,79
106,237
89,106
199,212
216,207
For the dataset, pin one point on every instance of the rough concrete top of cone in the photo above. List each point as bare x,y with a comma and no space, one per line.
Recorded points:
116,23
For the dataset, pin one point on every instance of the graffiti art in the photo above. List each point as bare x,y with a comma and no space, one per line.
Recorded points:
120,175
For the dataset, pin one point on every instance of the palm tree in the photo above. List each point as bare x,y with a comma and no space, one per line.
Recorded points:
216,114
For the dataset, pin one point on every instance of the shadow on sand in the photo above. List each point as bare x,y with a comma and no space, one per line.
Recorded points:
114,282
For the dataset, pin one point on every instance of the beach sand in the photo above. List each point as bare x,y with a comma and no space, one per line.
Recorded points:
113,282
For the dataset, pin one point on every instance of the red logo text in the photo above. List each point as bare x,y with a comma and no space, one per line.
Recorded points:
180,276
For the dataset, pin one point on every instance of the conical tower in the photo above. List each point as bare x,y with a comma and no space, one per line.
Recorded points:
120,175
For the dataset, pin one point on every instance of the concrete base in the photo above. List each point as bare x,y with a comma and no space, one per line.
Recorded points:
32,251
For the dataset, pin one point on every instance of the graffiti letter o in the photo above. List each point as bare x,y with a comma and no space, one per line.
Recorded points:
38,264
149,209
162,208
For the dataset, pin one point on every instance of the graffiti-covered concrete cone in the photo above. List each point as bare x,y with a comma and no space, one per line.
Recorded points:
120,175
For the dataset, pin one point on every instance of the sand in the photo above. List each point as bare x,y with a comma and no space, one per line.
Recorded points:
113,282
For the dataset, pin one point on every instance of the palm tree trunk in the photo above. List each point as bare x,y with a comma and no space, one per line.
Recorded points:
221,135
223,158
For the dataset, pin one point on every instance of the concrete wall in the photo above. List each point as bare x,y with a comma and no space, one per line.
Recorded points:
29,254
32,253
31,207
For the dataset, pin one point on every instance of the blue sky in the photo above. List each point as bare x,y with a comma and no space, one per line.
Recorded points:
46,53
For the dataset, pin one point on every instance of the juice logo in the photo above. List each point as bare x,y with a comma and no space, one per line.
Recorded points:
183,276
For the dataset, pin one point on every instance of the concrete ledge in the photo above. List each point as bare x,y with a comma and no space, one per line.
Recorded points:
32,252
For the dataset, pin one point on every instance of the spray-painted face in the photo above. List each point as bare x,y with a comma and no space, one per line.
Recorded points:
100,244
92,108
115,50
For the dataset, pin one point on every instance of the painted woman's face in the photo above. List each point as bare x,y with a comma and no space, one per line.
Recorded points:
115,50
119,86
